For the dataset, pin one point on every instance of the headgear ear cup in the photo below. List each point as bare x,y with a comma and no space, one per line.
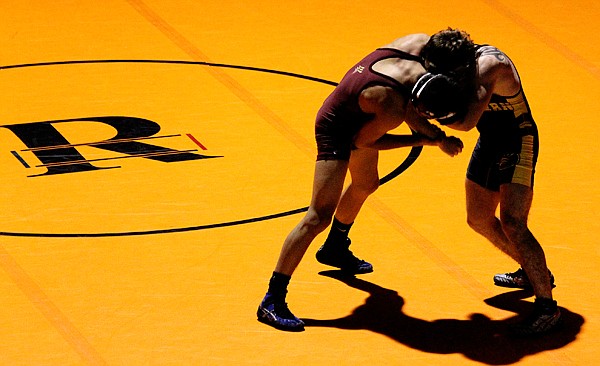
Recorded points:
421,84
435,95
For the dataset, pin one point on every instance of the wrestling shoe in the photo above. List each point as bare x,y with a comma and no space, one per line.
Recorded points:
544,318
277,314
517,279
341,257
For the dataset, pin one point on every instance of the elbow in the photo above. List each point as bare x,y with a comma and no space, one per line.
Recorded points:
461,127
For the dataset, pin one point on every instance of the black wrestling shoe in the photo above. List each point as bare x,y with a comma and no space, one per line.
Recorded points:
545,317
341,257
517,279
277,314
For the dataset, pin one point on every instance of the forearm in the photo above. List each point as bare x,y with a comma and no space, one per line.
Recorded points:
422,125
391,141
425,128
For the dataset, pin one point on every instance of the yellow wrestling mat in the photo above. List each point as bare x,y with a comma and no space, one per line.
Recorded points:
155,154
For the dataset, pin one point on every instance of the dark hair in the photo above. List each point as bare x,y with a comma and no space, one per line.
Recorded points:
450,52
436,95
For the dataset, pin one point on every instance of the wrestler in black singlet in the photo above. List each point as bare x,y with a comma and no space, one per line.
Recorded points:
508,145
340,117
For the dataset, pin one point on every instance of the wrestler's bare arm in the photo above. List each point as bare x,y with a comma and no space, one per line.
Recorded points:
489,72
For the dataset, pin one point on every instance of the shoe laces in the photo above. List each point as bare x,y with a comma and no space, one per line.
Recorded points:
282,310
349,257
518,273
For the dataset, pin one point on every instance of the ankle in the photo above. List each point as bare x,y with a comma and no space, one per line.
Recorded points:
546,304
338,232
278,286
271,298
337,244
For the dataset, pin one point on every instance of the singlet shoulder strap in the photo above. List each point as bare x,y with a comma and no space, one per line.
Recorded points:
404,55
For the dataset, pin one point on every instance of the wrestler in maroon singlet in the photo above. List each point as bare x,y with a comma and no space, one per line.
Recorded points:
340,117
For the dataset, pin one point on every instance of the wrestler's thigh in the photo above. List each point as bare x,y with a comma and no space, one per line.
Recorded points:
481,202
363,167
328,183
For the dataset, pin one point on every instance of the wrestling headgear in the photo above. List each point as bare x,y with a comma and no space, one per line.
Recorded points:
435,96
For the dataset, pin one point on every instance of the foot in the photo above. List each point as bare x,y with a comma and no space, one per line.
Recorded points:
341,257
277,314
545,317
517,279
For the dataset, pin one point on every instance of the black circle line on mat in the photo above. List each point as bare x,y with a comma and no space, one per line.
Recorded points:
410,159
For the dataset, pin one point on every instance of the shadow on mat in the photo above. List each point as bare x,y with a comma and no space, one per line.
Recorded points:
479,338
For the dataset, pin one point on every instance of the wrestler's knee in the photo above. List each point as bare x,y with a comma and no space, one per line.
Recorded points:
480,223
366,188
318,219
514,228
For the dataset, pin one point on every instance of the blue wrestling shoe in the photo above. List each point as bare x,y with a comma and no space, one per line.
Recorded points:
340,256
276,313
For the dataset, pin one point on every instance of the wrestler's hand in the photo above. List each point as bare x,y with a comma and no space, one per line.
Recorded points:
451,145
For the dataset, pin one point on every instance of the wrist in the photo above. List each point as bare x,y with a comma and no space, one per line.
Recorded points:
437,139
